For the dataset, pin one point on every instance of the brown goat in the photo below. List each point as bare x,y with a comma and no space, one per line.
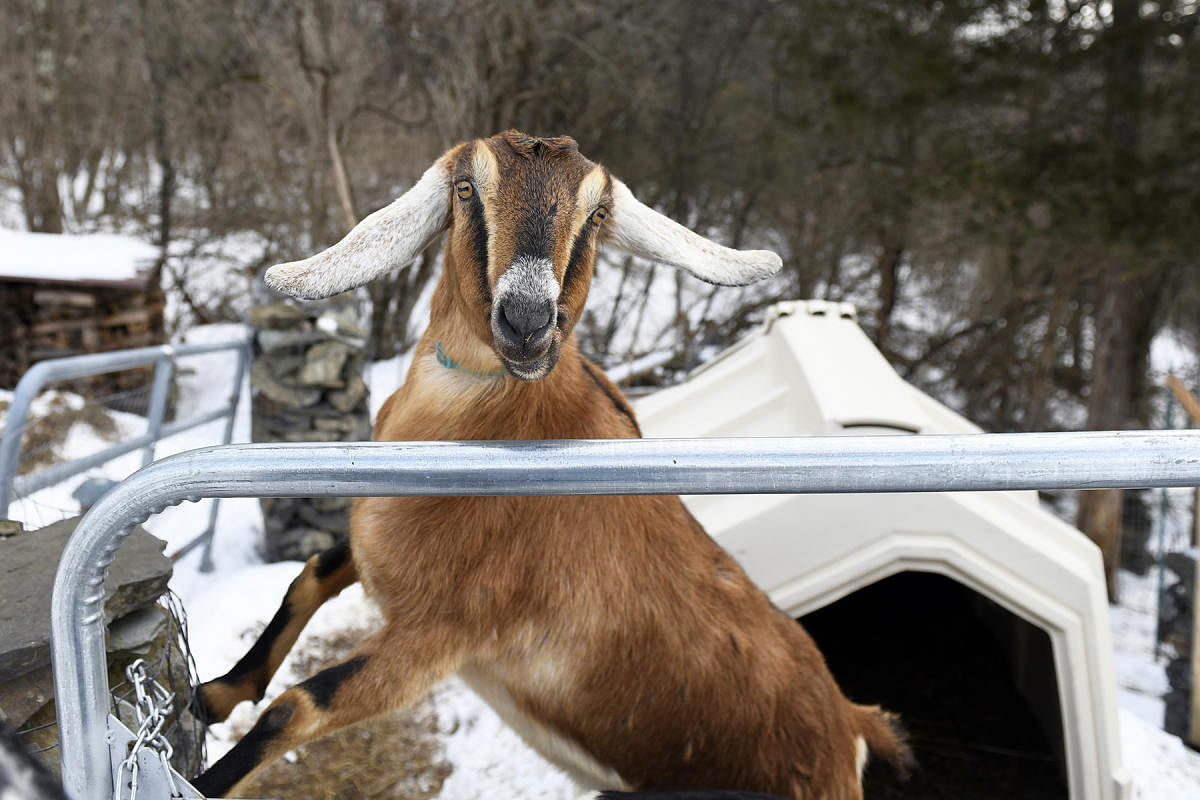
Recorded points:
611,632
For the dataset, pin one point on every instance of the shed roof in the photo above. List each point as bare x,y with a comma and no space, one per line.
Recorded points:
95,259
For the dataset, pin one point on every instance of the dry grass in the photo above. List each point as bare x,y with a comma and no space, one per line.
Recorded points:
391,756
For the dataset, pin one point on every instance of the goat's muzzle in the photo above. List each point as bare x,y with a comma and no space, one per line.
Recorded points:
524,318
524,335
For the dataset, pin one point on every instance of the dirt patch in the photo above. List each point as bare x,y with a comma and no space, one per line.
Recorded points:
395,755
46,432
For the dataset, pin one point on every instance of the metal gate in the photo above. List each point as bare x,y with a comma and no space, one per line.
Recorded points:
164,359
93,743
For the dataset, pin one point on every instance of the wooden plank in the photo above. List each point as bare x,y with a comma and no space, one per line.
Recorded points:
125,342
44,353
1186,399
132,316
61,297
51,327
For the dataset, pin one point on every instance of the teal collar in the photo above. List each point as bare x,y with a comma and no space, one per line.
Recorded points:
449,363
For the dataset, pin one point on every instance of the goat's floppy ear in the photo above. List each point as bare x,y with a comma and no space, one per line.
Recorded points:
641,231
389,238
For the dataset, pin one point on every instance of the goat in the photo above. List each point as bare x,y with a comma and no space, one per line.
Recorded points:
611,632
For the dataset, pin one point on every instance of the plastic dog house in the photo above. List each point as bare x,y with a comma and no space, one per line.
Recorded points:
982,605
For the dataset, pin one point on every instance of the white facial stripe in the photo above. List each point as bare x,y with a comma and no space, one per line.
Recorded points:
530,277
587,198
484,170
487,179
591,190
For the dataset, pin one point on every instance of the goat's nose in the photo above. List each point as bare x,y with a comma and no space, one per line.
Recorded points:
525,320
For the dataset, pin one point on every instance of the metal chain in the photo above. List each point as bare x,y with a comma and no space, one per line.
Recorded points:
153,705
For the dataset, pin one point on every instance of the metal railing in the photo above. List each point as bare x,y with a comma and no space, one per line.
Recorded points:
61,369
610,467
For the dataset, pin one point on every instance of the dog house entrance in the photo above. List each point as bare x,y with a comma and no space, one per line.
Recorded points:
974,683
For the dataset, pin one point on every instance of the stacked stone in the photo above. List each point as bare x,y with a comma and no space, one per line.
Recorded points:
307,376
138,628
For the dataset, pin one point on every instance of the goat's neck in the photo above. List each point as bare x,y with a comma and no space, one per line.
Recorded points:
475,398
461,328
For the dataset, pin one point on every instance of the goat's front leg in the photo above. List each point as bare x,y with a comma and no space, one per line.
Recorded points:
323,577
390,670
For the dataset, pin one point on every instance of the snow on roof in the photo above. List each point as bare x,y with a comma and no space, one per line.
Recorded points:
95,258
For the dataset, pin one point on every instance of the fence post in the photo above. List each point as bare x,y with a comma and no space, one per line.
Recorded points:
1193,736
164,369
239,375
60,369
1196,518
1192,406
1162,544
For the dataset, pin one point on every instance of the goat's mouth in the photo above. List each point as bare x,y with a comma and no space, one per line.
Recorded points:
525,334
535,368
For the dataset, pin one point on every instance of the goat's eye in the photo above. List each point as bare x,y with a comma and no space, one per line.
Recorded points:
464,190
599,215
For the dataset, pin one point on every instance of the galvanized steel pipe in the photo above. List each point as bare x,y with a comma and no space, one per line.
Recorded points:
62,369
590,467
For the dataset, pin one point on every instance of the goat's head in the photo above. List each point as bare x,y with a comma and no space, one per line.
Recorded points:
525,216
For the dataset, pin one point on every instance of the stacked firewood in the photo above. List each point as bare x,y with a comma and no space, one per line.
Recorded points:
41,321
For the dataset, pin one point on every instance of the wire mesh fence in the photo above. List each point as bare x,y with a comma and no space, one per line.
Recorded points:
1159,528
174,669
52,436
66,422
169,662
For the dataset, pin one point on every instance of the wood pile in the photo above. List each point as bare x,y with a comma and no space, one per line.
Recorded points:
53,320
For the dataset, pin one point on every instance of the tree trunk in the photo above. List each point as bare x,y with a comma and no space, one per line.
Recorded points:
888,264
341,181
1043,371
1114,359
43,206
160,53
1109,406
381,343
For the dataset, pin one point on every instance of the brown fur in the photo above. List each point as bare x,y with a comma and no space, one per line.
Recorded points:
612,626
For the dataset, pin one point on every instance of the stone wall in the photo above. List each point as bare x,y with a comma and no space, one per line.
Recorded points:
308,387
138,627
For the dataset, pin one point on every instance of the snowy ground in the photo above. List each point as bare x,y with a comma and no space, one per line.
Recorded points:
488,759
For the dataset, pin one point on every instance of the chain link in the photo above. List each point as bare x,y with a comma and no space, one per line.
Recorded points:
153,706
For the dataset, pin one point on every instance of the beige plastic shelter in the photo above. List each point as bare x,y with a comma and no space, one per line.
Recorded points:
1036,584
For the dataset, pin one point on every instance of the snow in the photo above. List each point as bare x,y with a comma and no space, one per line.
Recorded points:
1162,767
489,759
205,382
229,606
382,378
92,257
1141,678
211,272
